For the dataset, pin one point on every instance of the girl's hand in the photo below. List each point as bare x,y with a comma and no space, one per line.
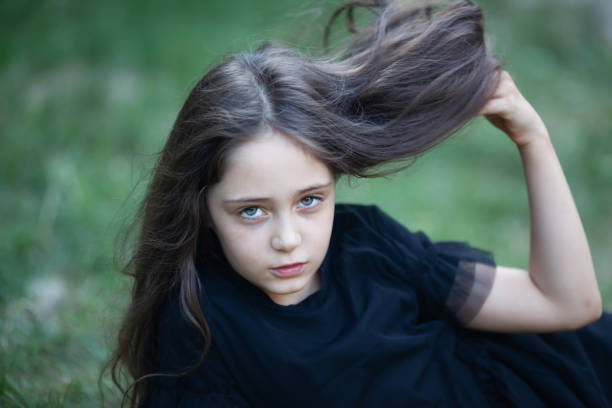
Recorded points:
509,111
560,290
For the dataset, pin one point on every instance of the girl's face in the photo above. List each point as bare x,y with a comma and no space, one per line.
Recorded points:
274,208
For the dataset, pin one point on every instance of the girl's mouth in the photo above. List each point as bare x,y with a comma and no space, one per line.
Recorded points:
289,270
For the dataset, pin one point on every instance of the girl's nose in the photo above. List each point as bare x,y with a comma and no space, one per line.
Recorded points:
286,237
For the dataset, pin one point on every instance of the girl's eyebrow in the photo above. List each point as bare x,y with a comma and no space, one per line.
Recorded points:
253,199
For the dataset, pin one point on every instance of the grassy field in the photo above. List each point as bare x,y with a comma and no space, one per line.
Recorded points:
89,93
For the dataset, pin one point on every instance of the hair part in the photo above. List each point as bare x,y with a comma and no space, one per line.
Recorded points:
402,85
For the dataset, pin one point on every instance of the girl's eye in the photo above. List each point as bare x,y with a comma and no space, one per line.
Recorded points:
310,201
250,212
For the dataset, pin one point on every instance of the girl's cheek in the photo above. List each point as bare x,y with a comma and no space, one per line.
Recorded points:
246,237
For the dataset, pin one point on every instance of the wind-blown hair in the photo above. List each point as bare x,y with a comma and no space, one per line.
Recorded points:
400,86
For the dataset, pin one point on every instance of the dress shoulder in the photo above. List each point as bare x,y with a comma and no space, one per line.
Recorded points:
452,278
179,348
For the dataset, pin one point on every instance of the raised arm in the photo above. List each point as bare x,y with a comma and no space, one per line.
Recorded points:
560,291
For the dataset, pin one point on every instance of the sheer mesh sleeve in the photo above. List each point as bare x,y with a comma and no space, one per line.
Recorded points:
453,279
459,279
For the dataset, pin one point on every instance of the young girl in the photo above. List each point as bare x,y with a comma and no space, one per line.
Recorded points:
253,288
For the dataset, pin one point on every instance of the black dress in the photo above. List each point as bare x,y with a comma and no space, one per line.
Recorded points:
385,329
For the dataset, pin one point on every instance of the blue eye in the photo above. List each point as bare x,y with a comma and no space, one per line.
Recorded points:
250,212
310,201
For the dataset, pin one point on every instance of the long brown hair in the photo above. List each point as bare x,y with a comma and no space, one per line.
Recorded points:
400,86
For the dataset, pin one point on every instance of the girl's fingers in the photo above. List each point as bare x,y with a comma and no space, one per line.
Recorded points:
509,111
506,85
494,106
499,102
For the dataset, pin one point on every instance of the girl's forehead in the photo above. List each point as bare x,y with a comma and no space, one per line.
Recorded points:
265,143
271,163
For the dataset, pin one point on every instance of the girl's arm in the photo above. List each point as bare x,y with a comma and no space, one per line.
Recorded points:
560,291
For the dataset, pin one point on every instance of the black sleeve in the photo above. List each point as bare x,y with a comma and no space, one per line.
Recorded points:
452,279
179,347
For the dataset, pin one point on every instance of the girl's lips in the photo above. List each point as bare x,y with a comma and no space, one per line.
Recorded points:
289,270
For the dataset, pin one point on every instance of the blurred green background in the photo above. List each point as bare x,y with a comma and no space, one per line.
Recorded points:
90,90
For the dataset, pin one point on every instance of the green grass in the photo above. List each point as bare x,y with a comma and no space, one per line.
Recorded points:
90,91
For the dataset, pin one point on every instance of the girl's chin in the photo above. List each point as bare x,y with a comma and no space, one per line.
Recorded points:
289,294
